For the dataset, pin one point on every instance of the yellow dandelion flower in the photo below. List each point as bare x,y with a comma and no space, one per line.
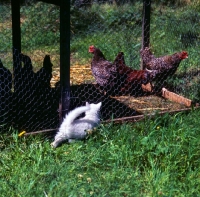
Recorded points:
157,127
22,133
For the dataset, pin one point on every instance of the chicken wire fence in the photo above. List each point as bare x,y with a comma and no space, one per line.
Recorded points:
29,92
127,80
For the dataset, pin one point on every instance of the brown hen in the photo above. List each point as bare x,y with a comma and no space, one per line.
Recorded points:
130,78
104,72
166,65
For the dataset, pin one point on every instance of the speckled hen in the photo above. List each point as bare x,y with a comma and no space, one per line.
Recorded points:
103,71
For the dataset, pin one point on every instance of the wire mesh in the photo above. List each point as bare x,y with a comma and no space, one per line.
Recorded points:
35,102
30,90
115,28
30,93
5,71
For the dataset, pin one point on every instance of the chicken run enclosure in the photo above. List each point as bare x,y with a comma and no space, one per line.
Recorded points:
149,59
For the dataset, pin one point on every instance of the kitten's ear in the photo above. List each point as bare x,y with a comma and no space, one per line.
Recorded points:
99,104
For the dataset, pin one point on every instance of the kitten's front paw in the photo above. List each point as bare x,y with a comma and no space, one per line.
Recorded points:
53,145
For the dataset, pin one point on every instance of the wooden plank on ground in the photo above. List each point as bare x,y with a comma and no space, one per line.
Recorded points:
176,98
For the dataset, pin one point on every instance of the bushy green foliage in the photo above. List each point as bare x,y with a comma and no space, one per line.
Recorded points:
81,19
6,10
122,17
40,26
157,157
173,2
105,16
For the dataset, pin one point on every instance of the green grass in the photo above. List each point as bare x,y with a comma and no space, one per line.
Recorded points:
157,157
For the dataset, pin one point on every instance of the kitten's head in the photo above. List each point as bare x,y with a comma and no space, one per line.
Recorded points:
94,107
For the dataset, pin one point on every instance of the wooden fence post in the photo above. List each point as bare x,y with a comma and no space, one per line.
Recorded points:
146,25
16,33
64,57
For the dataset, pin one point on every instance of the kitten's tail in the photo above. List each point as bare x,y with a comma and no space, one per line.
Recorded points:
72,115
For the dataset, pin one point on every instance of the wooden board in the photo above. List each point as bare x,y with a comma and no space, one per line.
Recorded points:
176,98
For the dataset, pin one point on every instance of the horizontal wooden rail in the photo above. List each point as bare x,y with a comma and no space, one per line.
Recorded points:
124,120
